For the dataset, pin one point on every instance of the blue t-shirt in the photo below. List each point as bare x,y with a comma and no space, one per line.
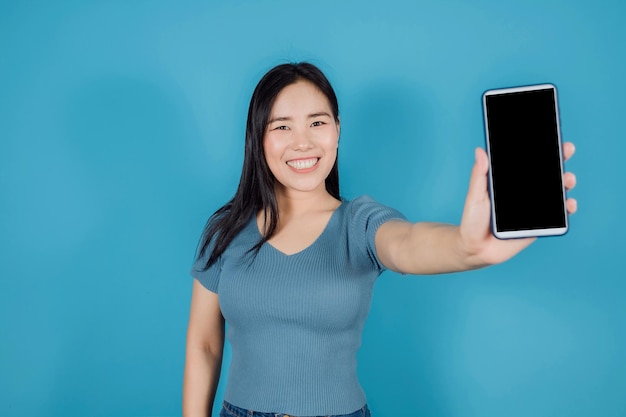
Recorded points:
295,321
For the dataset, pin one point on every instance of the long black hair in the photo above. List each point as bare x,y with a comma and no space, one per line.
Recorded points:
256,186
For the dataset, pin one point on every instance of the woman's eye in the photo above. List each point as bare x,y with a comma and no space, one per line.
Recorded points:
281,128
318,123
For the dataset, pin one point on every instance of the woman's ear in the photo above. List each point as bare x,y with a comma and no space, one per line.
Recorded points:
338,124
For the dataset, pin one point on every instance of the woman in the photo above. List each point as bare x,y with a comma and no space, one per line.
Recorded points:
294,265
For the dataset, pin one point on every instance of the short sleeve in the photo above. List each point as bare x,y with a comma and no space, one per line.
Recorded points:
367,216
209,277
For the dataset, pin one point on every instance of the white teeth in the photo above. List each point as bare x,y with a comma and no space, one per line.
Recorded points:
303,163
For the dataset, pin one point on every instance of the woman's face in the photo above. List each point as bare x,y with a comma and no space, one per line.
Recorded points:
301,138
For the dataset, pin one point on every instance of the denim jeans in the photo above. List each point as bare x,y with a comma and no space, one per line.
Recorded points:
229,410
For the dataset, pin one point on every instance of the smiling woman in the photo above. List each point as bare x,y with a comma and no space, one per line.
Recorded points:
291,266
257,186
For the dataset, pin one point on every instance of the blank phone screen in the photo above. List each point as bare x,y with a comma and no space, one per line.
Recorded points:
527,183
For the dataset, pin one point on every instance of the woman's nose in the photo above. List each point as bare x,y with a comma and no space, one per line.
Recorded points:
302,140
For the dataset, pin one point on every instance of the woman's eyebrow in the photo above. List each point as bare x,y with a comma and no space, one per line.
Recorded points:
310,116
279,119
318,114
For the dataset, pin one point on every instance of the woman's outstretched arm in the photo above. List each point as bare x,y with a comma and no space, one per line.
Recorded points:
434,248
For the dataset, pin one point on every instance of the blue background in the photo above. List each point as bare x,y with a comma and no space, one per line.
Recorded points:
121,131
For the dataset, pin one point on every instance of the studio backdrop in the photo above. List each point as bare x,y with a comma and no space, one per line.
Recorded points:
121,131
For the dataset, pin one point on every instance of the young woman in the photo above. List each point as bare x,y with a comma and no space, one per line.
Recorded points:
290,266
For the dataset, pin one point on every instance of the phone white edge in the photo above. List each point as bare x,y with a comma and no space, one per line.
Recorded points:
524,233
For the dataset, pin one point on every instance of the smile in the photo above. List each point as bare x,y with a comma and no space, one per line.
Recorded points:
303,163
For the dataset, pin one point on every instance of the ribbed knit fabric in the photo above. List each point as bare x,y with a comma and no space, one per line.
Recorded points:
295,321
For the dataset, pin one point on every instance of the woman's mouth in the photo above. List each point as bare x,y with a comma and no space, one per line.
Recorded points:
302,164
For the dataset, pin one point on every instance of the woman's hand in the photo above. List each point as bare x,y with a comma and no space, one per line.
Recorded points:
475,230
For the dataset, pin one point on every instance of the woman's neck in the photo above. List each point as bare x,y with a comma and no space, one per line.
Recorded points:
298,212
296,203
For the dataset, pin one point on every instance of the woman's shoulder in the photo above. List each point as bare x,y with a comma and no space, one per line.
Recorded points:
361,202
365,206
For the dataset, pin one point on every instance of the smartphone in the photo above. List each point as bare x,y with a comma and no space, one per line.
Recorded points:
523,140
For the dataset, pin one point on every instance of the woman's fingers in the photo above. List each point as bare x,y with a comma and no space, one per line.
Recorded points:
572,205
569,180
568,150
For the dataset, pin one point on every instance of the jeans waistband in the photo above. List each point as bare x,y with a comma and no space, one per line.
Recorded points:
230,410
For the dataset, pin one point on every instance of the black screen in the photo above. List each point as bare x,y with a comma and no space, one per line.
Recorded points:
527,186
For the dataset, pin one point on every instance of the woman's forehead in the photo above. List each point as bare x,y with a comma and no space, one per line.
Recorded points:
302,97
